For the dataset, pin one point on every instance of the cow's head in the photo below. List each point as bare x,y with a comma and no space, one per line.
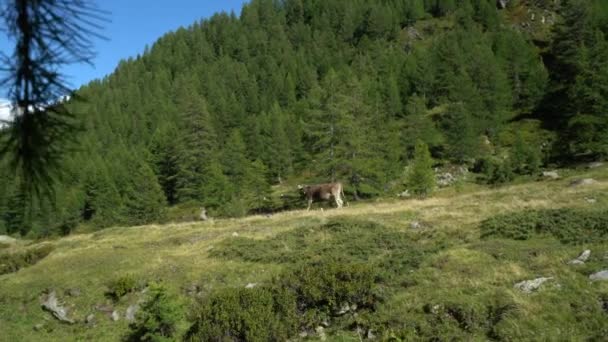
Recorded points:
302,189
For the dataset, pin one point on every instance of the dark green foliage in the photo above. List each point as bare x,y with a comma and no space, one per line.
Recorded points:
158,318
298,299
257,314
458,318
496,170
120,286
570,226
420,178
323,289
525,157
144,198
15,212
14,261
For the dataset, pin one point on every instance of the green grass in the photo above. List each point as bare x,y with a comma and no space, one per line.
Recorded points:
441,281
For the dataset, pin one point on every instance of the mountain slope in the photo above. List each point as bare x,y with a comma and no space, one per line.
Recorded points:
444,275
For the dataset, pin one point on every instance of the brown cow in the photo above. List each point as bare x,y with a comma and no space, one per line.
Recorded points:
323,192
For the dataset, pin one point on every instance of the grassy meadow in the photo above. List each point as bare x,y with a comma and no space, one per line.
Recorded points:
437,278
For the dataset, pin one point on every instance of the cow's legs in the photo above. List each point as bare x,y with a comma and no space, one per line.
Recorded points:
338,201
309,204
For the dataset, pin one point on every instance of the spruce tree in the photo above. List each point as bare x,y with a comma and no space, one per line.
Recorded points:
197,143
420,178
165,160
144,201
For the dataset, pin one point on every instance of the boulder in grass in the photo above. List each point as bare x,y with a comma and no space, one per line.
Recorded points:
529,286
601,275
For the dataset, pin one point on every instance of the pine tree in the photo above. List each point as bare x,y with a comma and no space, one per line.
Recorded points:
102,204
257,189
588,128
144,201
420,178
197,143
165,160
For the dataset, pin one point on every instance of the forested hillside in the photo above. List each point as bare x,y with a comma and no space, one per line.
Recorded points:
215,114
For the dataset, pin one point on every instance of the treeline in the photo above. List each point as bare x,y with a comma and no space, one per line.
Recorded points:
215,114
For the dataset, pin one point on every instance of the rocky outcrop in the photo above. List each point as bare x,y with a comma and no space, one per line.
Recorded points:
581,258
583,182
551,174
51,304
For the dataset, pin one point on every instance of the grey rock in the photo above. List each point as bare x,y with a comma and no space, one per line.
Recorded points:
371,335
321,333
405,194
74,292
415,225
551,174
303,334
590,200
413,33
192,290
235,234
601,275
131,312
502,4
90,319
344,308
445,179
251,285
595,165
203,214
583,182
115,315
581,258
52,305
528,286
38,326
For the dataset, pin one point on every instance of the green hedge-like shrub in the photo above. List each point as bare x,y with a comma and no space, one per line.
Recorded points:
158,318
120,286
12,262
298,299
324,289
258,314
568,225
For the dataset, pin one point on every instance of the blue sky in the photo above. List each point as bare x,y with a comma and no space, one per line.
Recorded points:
135,23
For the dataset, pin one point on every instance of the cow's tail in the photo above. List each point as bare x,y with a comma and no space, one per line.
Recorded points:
344,196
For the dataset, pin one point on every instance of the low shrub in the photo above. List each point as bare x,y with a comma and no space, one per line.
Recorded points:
303,298
454,319
13,261
240,314
344,240
495,171
571,226
327,289
158,318
120,286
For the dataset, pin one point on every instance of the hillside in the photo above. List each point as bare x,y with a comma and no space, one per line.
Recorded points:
436,278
